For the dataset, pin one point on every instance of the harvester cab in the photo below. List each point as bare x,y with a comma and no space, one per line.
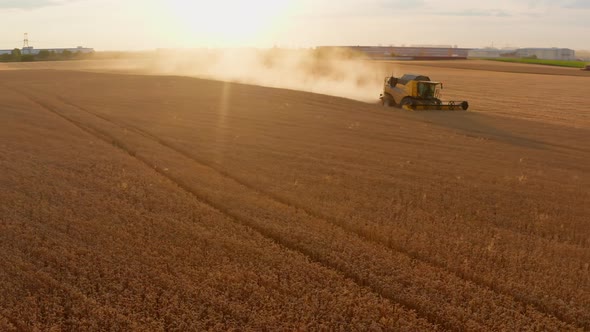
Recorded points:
417,93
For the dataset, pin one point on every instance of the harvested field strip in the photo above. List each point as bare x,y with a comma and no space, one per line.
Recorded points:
498,66
372,268
556,63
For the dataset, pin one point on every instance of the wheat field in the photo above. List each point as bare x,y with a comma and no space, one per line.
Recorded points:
155,202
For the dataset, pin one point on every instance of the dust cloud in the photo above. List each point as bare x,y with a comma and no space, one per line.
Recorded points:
331,71
335,72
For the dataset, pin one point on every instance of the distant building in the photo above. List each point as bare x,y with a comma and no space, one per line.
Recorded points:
490,52
35,51
410,53
547,53
454,52
539,53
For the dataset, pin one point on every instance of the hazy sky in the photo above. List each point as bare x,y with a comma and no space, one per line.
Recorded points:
149,24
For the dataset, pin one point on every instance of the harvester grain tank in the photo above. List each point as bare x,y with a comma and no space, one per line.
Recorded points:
417,93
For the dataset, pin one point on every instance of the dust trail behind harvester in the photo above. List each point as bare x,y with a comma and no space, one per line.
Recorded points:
333,72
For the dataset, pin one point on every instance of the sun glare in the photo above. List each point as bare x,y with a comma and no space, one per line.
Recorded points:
229,22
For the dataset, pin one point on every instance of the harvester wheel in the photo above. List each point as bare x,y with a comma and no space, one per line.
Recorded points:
388,101
406,102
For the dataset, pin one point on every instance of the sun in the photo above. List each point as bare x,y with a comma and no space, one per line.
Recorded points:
228,22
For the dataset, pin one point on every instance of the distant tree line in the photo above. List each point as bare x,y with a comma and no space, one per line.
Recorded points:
44,55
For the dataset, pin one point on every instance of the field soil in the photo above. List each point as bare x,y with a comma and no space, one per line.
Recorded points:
139,202
497,66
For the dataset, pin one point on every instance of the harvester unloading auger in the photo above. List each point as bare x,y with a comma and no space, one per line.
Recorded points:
417,93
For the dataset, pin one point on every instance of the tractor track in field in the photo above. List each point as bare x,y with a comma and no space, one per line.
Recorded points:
432,318
540,307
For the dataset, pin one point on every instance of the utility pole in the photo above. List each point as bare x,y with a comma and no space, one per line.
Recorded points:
26,47
26,41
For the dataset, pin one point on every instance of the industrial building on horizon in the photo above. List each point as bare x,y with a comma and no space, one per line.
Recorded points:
457,53
537,53
26,49
409,53
35,51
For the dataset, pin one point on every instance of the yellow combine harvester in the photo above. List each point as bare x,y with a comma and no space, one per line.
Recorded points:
417,93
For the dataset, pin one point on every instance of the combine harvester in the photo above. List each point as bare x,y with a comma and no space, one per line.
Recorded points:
417,93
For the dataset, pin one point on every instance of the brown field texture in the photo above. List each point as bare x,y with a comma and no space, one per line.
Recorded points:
135,202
